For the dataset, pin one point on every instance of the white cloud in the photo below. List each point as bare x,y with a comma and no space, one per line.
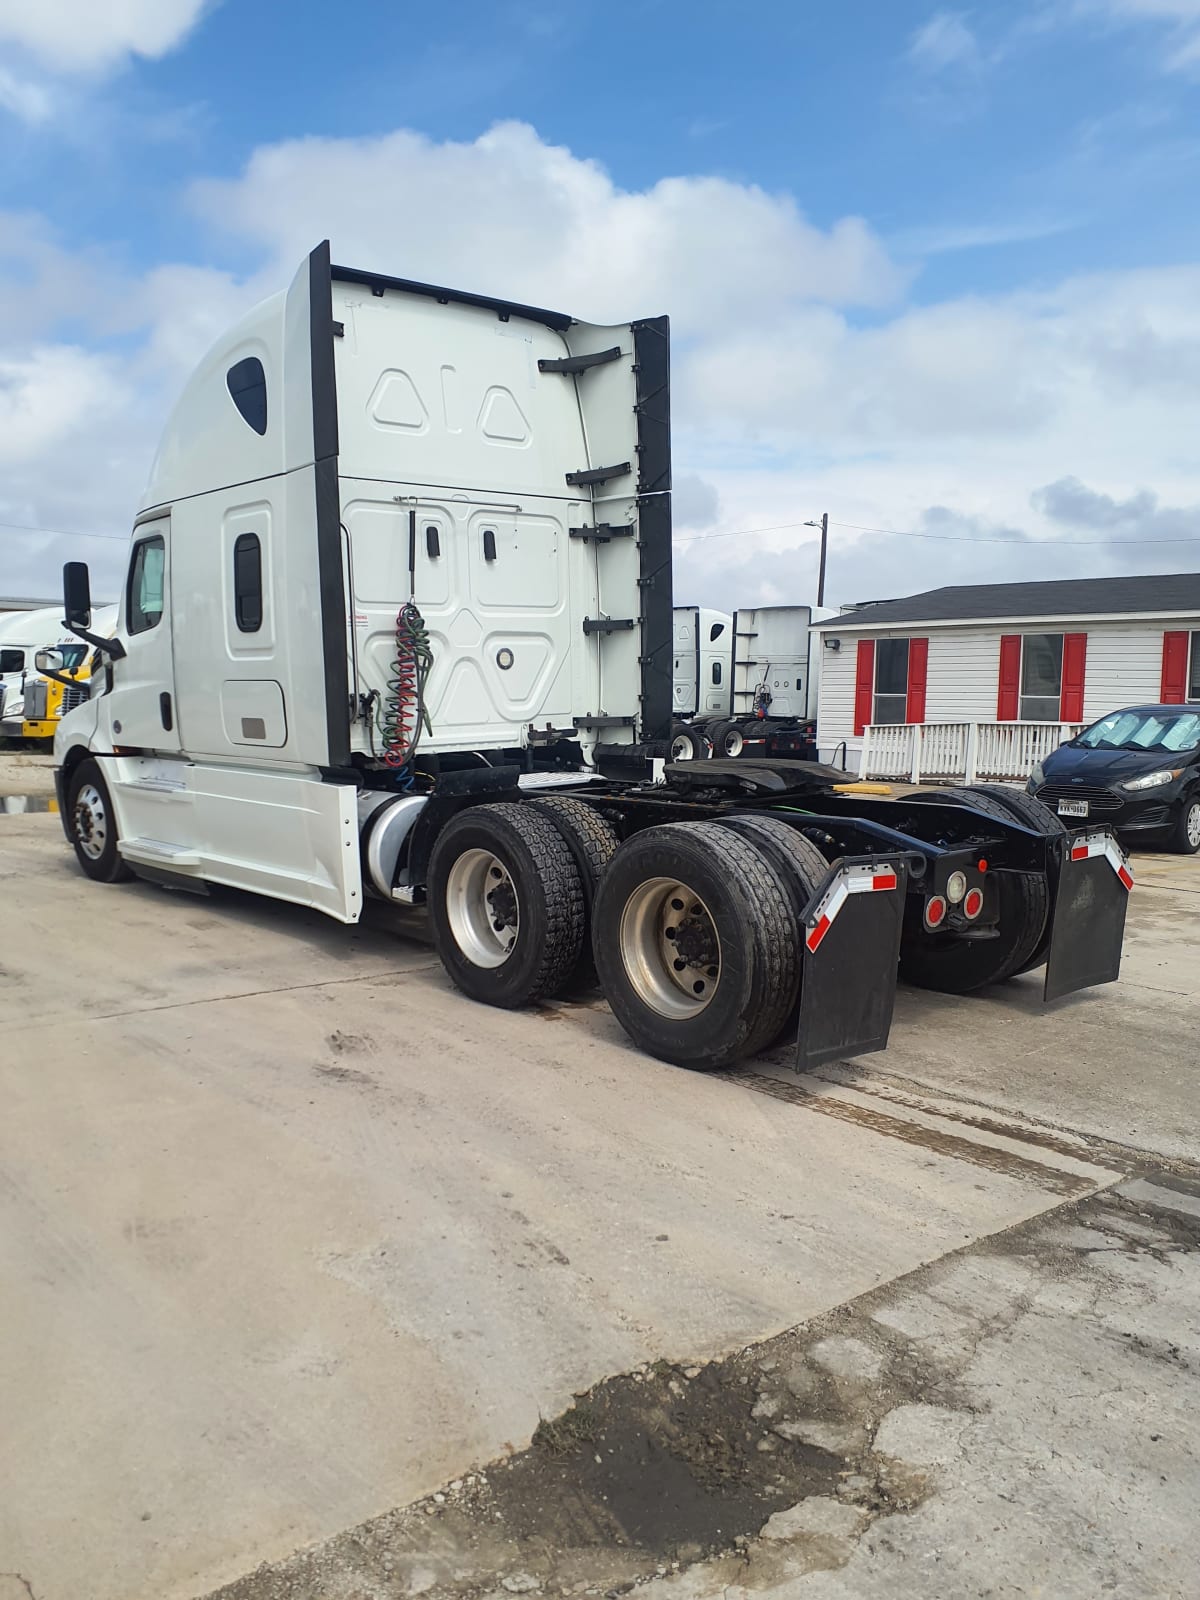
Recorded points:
86,36
25,98
944,41
943,419
1180,17
543,226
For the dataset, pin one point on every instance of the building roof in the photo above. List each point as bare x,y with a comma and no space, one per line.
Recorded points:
1169,594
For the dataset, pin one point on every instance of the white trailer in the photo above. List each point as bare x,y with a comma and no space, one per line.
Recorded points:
397,622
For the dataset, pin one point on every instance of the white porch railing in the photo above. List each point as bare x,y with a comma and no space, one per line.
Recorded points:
962,752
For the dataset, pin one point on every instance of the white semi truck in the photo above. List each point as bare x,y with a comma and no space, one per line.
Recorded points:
397,622
744,684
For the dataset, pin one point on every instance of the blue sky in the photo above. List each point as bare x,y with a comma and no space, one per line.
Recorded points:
927,265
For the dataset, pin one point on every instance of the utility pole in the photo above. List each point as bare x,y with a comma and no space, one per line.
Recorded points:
824,527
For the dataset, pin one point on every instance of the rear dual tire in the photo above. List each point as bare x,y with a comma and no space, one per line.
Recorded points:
697,944
506,904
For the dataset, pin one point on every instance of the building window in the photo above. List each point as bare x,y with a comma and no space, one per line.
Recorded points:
1193,690
147,569
248,388
891,680
1041,677
247,582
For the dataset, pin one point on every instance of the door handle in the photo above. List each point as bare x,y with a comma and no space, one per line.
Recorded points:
164,711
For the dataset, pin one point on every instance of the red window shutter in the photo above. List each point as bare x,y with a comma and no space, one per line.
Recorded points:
1008,700
864,685
918,671
1074,670
1174,669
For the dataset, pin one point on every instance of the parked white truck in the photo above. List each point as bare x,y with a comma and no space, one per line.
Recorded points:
744,684
397,622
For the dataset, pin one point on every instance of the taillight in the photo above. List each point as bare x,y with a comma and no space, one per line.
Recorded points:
935,911
973,904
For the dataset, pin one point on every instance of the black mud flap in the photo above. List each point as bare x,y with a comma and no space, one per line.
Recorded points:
852,929
1094,881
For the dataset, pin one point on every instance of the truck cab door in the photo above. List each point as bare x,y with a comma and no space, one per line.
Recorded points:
141,708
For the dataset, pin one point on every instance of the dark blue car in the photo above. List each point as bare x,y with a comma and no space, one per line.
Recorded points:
1136,770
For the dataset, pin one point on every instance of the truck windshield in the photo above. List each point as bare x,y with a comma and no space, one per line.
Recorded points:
74,655
1143,730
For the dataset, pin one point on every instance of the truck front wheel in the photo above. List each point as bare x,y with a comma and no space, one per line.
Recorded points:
93,825
505,904
696,945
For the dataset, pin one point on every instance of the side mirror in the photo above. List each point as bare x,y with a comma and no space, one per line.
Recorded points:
77,594
48,661
12,661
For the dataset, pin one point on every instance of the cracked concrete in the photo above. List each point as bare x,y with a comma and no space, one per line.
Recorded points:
300,1236
1049,1448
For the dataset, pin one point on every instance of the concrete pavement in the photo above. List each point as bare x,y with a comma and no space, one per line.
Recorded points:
296,1234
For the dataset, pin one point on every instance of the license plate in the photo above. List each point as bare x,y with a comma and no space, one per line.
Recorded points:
1072,808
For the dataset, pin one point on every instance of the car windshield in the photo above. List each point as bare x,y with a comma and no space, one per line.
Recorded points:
1143,730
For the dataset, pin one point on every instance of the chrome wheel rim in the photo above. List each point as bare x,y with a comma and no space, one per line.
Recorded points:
681,748
733,743
670,949
1193,824
482,908
91,821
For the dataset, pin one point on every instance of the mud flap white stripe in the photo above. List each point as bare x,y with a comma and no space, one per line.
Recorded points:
1102,843
850,880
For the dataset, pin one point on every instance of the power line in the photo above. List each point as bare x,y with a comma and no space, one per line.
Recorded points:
945,538
62,533
955,538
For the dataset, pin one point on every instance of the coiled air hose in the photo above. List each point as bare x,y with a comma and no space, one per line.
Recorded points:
403,716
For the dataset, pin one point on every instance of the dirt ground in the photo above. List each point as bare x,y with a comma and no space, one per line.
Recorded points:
25,774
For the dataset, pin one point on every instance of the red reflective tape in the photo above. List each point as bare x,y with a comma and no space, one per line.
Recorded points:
1080,852
1125,876
817,933
884,880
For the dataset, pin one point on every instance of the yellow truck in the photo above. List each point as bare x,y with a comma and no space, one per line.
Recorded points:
46,700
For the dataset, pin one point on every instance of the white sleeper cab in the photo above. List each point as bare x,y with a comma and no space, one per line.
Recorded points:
397,621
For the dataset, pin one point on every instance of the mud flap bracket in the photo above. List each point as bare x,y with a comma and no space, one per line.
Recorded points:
851,933
1094,881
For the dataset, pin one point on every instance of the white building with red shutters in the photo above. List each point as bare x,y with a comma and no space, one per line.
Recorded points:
981,681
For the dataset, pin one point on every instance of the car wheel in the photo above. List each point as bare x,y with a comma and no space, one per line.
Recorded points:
1185,838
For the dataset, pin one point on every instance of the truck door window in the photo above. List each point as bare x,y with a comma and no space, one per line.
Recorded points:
247,582
144,606
716,672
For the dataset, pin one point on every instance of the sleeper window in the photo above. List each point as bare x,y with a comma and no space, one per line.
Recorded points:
247,383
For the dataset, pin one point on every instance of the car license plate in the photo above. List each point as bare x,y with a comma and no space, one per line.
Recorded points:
1072,808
